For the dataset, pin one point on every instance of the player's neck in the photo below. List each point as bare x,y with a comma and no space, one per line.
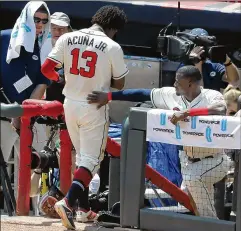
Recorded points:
192,95
108,32
97,28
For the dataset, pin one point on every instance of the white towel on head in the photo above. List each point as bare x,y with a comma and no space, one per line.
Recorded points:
24,33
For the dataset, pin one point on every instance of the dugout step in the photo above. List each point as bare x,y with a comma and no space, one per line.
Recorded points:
150,194
178,209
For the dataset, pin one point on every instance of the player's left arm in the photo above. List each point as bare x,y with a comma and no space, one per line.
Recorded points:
55,58
216,106
228,71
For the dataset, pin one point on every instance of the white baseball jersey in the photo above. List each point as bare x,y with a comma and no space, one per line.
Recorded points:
166,98
198,177
90,60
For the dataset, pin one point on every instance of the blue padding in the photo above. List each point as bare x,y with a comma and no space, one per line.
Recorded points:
162,157
114,130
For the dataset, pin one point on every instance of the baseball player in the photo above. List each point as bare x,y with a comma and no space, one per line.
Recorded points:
92,61
201,167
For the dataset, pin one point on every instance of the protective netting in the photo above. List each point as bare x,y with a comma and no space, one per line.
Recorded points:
201,169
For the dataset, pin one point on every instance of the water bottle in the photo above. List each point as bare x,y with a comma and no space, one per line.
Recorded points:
224,125
208,134
163,119
193,122
178,132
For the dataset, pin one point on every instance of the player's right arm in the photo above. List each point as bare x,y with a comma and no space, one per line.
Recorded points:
157,96
119,69
215,106
55,58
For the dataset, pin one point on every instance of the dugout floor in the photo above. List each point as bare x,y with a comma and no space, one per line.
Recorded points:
30,223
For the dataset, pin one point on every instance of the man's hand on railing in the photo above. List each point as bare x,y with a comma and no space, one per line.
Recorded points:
178,116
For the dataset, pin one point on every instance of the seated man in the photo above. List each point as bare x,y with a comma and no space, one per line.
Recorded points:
203,166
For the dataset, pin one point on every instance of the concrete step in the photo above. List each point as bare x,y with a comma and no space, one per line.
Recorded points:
177,209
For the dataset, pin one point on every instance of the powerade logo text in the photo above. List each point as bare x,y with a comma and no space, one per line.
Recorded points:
209,122
193,133
209,135
193,126
163,121
194,120
223,135
223,123
163,130
208,132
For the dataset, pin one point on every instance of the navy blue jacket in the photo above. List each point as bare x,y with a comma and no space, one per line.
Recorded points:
27,63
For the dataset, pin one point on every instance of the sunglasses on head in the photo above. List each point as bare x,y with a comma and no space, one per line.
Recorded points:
38,20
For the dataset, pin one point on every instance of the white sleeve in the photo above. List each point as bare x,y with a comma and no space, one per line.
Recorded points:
57,53
119,68
238,114
216,97
159,97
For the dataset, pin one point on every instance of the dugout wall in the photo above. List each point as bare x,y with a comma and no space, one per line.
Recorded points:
132,186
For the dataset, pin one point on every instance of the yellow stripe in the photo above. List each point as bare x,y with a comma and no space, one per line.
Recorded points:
44,184
104,138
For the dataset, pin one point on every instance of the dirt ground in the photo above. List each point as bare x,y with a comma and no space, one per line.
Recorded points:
37,224
15,227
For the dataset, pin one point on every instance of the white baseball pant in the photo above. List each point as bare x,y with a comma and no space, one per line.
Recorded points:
199,178
88,130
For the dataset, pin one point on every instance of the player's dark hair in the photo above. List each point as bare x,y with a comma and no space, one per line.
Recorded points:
190,72
110,17
42,9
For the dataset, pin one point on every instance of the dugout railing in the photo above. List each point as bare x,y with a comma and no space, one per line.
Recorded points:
29,109
132,183
129,186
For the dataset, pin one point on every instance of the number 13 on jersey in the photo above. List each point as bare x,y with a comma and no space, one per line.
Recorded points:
91,59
